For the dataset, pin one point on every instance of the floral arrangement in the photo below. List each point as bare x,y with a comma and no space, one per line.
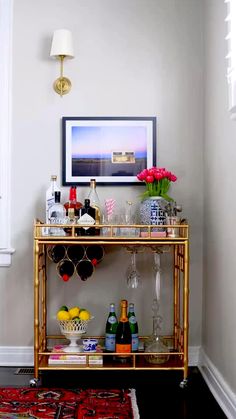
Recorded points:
157,180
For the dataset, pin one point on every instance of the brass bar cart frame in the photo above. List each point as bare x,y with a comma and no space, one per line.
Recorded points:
147,237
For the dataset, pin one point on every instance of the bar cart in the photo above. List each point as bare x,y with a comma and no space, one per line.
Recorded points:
135,235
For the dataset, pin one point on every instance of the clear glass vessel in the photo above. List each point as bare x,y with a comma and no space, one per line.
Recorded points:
155,342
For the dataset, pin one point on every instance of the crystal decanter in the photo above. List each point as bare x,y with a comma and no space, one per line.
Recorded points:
155,342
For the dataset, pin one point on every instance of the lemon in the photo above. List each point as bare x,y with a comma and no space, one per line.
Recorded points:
84,315
74,312
63,315
63,308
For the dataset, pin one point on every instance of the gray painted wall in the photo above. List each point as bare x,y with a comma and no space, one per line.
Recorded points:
219,311
136,57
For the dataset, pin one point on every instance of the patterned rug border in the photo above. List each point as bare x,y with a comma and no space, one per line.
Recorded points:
71,403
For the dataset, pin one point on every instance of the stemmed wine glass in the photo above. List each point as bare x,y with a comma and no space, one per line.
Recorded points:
157,274
133,275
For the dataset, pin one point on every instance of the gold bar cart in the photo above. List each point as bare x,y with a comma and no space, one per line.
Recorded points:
146,237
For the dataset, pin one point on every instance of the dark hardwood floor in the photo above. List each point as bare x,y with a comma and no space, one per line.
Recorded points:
158,393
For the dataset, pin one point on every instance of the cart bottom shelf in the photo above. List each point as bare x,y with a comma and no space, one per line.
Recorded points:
174,363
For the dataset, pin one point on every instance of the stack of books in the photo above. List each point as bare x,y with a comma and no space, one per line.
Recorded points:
56,358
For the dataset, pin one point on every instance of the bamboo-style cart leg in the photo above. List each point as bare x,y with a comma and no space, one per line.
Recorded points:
185,312
34,381
176,299
44,302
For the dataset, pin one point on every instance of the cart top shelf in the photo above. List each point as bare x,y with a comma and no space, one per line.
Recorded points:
112,234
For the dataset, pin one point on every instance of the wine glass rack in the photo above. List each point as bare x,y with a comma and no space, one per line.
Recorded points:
146,236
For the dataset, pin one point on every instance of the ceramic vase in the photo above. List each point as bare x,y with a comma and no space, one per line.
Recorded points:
152,211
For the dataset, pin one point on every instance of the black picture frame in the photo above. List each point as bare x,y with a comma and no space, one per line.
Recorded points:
112,150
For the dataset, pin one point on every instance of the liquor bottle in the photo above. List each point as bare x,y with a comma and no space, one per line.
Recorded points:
94,200
72,205
50,195
87,218
111,327
57,215
123,333
134,327
65,269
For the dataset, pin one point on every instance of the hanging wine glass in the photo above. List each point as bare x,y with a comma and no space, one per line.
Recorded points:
133,275
157,274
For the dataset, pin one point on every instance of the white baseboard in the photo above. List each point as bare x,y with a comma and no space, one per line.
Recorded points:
24,356
218,386
16,356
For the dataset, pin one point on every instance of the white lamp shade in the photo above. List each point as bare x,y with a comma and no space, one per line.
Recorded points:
62,44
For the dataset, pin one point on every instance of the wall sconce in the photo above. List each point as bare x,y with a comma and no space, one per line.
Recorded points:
62,47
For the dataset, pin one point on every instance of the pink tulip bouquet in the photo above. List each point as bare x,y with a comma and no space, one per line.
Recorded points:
157,180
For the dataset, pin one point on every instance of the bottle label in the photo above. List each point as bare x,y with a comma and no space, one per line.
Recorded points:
123,348
132,319
112,320
110,342
135,342
87,220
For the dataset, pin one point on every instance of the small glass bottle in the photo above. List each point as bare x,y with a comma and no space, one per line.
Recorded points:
111,327
134,327
94,200
57,215
87,219
156,343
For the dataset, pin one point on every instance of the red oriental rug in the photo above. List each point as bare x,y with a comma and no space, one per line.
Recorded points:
53,403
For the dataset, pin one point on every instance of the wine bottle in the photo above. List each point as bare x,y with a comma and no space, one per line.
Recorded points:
75,252
94,200
72,203
111,327
123,332
87,218
65,269
95,253
57,215
85,269
134,328
57,252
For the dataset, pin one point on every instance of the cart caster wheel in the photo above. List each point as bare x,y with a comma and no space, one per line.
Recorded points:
183,383
34,382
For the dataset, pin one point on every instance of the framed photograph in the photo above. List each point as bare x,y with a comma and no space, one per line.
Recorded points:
111,150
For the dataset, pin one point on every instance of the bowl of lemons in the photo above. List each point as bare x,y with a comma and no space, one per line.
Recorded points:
73,324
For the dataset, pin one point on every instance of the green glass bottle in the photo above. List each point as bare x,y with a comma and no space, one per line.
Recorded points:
111,327
133,327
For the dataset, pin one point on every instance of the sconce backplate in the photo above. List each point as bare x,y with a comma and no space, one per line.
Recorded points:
62,85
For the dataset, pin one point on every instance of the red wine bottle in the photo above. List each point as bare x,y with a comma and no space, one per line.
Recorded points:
65,269
57,252
95,253
75,252
85,269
